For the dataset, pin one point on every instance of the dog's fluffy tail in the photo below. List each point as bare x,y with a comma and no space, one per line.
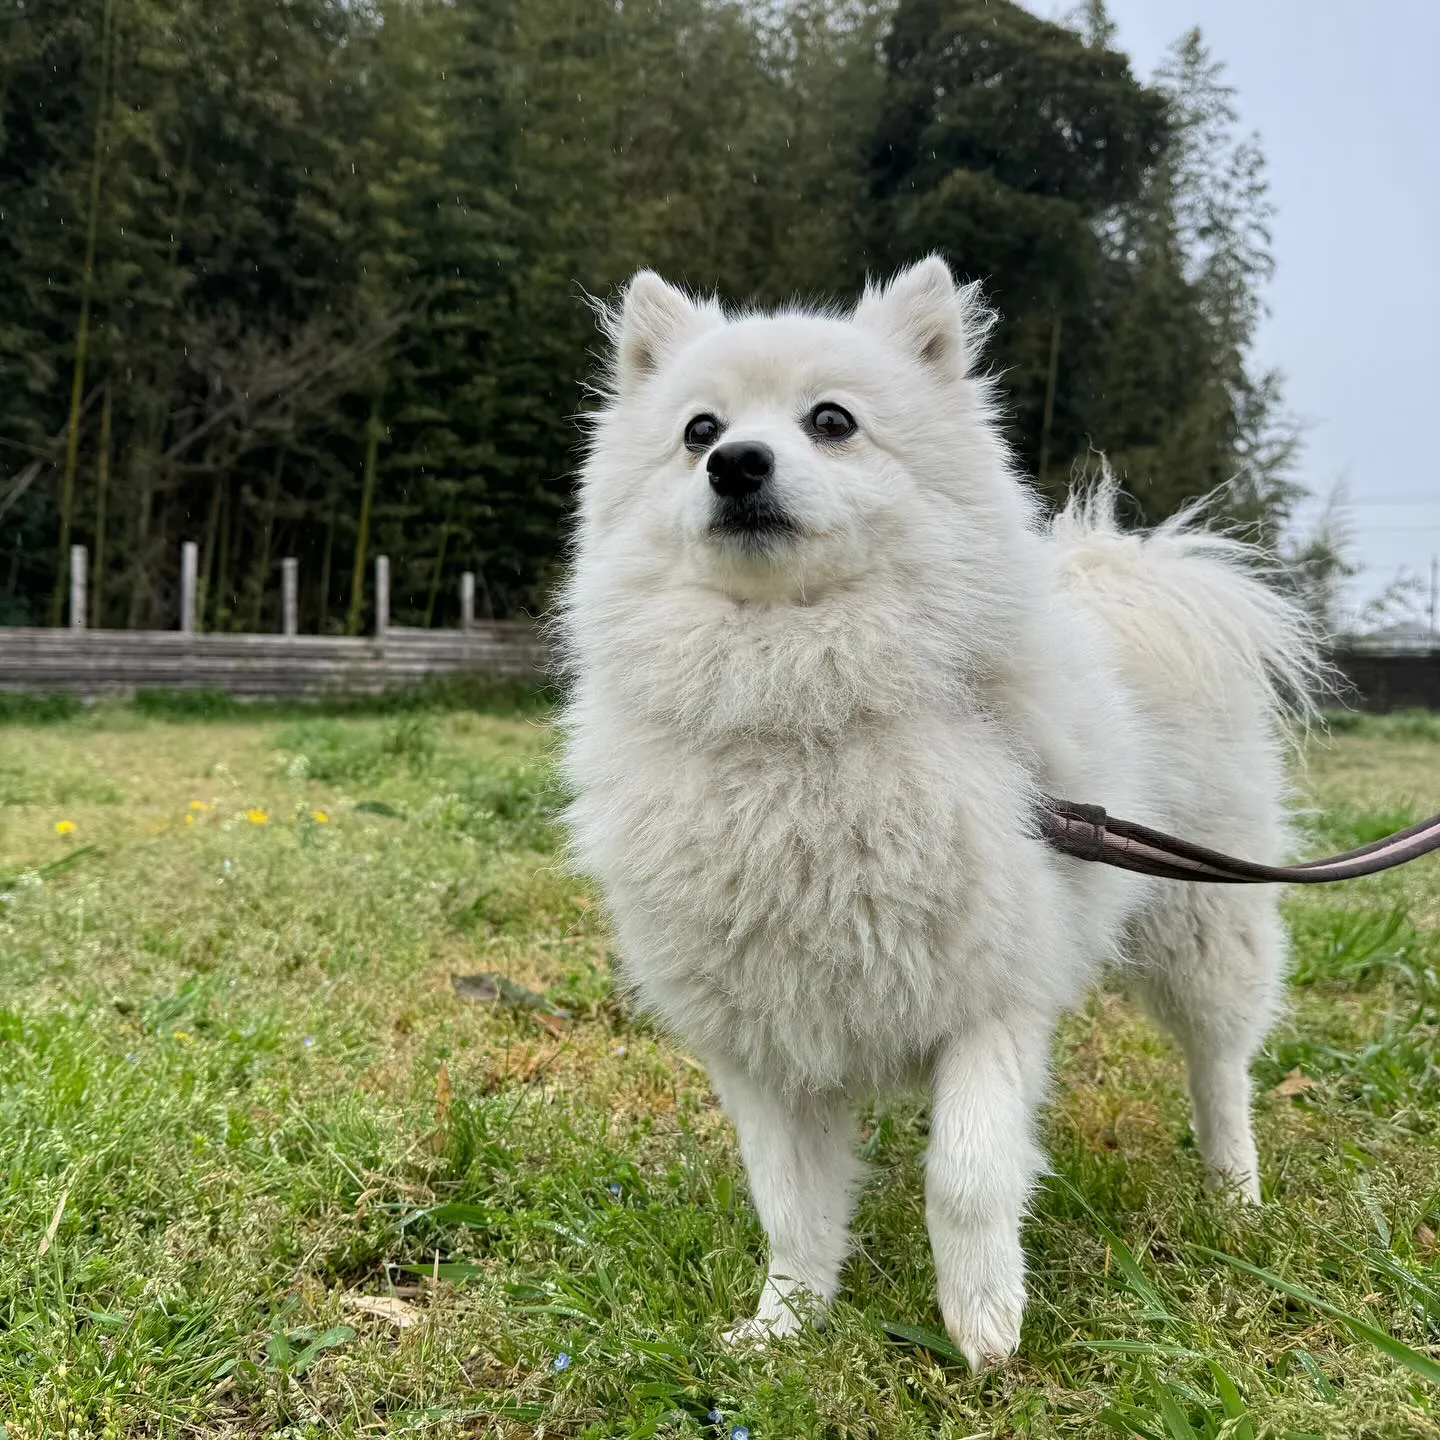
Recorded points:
1197,612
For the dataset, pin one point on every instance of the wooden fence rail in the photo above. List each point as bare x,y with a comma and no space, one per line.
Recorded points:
1386,682
96,663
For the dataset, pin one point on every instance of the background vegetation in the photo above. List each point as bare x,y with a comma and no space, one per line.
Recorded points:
304,277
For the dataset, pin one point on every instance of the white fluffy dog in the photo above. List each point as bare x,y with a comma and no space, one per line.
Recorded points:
824,658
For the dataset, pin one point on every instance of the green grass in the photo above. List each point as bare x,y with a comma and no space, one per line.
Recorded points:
263,1171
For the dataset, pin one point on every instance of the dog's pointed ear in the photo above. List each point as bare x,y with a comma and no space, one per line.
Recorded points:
654,319
937,322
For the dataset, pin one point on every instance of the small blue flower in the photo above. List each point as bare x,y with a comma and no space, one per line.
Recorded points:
614,1188
715,1417
308,1041
562,1362
740,1432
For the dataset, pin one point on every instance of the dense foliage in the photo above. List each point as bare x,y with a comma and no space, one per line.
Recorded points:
307,277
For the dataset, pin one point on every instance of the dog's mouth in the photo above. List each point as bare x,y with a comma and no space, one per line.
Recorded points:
752,526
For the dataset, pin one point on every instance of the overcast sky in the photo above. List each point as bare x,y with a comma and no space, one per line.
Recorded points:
1346,98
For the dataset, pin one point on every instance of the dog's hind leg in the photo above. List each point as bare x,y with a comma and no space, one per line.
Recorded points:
980,1165
799,1157
1212,966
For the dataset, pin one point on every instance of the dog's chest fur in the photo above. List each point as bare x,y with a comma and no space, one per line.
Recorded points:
822,911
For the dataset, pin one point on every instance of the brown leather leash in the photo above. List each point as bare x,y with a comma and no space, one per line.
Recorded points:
1088,833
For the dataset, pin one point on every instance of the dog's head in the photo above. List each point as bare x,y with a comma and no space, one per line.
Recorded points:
776,456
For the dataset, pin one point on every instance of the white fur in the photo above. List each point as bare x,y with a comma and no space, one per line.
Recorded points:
805,779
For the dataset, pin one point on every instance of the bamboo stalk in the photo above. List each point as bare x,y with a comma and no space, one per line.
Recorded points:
207,554
362,530
435,575
327,554
142,469
102,495
222,580
260,574
1051,377
148,451
82,329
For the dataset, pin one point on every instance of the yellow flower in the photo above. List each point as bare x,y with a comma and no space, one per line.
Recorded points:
201,805
319,817
257,817
64,827
183,1036
189,819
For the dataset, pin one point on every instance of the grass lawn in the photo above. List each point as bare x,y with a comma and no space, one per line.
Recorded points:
265,1170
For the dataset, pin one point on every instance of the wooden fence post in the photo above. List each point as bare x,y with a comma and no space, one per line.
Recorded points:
382,595
79,562
189,574
467,600
290,594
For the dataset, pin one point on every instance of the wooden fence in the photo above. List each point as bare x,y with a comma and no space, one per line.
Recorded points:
1381,682
95,663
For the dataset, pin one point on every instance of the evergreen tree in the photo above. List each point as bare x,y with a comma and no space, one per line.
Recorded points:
1009,144
1223,213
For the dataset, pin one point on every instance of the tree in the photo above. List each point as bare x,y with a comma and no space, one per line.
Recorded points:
1223,211
1009,144
335,258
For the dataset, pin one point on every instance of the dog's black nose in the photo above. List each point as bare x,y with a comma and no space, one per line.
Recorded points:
739,468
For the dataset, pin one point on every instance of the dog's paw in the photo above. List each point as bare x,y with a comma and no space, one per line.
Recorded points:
1241,1187
983,1310
989,1332
757,1332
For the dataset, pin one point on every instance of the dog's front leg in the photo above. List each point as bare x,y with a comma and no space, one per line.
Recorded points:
803,1175
981,1162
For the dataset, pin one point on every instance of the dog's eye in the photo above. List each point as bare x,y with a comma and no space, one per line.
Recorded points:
701,433
830,422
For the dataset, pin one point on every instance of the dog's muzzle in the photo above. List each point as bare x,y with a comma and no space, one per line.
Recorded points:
744,509
754,525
